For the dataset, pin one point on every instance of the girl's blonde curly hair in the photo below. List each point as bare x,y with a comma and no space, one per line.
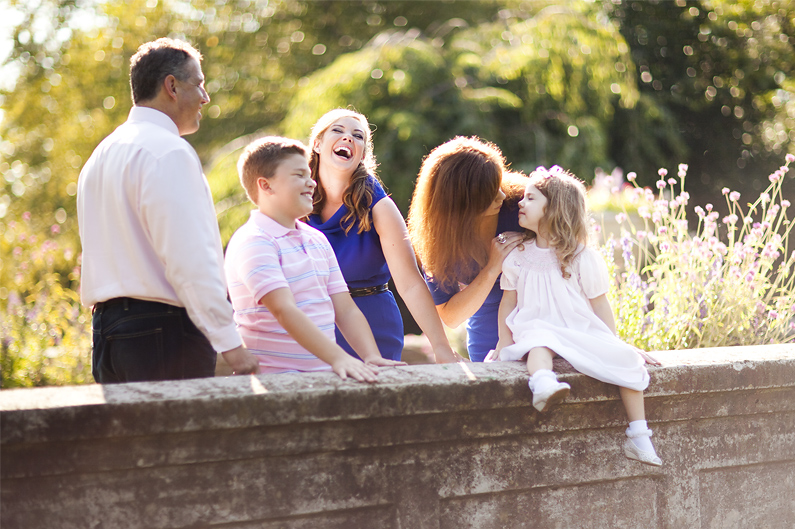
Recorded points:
565,220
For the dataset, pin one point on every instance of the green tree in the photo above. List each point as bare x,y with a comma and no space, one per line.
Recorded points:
723,71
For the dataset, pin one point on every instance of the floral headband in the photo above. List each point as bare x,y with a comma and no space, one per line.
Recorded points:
553,171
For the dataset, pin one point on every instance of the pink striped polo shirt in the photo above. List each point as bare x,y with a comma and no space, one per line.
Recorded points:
262,256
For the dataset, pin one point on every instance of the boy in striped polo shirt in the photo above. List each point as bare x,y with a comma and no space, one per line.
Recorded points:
284,281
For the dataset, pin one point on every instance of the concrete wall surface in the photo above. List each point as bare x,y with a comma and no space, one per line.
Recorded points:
441,447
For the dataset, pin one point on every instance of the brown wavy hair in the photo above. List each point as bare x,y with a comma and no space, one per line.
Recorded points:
358,196
565,214
457,183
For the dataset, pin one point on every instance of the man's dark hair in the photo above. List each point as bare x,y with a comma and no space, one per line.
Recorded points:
156,60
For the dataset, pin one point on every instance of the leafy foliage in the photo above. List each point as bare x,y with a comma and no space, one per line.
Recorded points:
45,335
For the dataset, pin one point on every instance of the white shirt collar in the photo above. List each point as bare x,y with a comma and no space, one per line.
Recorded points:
154,116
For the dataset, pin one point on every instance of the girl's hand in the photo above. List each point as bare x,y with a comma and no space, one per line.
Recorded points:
446,355
383,362
349,366
649,359
501,246
493,356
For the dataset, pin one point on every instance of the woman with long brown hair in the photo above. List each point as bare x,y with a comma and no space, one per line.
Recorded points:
462,223
368,234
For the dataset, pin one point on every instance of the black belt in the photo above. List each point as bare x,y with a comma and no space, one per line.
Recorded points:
131,301
368,291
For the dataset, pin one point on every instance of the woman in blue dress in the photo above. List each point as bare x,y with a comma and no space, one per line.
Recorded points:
368,234
463,222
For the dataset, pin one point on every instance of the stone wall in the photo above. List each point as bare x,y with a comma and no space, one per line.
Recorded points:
455,446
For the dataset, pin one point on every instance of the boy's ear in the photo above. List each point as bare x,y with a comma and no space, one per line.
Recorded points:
263,184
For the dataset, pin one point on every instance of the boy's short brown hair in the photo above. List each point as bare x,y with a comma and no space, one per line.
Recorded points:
261,157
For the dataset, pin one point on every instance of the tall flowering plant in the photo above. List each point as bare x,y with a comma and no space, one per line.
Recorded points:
45,334
730,282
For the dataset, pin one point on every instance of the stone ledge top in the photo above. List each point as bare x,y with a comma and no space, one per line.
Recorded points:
466,374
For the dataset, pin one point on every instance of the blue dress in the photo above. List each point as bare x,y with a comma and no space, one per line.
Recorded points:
363,265
482,331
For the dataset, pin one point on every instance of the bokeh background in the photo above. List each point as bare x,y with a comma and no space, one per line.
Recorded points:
596,86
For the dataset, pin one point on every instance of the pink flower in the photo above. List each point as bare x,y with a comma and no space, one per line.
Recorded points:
700,212
785,203
709,207
661,184
621,217
26,215
631,176
672,181
662,172
775,177
734,196
790,158
773,315
662,230
765,198
725,190
17,251
55,228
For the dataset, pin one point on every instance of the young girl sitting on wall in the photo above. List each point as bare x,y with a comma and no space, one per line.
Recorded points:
555,302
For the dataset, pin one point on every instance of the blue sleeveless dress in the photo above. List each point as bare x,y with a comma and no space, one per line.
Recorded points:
482,331
363,265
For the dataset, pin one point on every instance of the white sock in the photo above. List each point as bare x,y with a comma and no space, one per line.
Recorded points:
642,441
542,380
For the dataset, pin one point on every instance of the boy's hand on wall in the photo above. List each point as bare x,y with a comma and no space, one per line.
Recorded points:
349,366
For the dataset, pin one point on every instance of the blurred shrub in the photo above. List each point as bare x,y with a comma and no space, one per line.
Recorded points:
45,337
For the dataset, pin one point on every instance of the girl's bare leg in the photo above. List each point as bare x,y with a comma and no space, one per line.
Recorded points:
539,358
633,403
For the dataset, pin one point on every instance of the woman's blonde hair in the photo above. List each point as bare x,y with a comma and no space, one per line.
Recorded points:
457,183
565,218
358,196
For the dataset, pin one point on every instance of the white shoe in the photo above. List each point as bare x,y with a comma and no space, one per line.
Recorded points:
544,400
647,458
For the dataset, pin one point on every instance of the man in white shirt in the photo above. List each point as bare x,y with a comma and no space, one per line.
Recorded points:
152,257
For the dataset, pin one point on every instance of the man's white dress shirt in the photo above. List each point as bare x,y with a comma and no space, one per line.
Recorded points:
148,227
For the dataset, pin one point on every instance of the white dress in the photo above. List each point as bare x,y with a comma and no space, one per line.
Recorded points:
555,312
